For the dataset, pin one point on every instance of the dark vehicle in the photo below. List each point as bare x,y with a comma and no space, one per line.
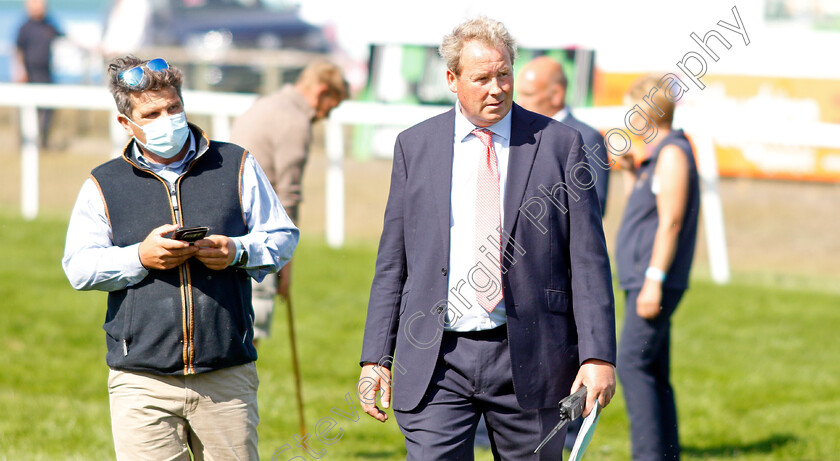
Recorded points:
231,45
247,23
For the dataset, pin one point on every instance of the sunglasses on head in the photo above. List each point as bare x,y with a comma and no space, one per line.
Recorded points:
136,77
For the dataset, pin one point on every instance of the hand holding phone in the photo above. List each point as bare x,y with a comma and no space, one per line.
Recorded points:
159,251
217,252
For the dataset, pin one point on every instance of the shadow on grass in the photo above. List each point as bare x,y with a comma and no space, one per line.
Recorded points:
764,446
381,454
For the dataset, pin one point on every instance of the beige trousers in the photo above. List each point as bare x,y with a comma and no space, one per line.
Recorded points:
213,415
263,295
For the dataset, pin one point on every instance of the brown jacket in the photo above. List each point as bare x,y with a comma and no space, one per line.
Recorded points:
277,130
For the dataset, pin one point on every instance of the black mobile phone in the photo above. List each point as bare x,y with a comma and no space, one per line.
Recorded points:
190,234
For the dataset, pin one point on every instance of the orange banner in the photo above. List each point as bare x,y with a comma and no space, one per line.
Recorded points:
781,98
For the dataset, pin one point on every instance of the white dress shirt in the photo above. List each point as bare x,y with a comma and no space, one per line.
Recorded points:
92,262
467,152
561,114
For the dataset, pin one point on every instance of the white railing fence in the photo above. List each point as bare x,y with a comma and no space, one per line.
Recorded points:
28,98
221,107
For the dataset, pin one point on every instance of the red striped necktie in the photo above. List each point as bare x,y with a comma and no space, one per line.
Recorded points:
488,221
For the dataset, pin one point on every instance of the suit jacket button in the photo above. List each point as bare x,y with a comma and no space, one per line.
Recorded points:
443,271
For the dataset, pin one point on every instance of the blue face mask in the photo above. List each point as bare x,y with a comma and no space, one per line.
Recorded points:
165,137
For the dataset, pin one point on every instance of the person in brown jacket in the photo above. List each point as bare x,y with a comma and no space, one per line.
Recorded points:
277,130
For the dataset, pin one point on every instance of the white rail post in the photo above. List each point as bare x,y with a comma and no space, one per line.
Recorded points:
712,209
335,184
118,135
221,127
29,162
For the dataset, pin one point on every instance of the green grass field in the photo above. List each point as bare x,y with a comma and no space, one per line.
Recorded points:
754,365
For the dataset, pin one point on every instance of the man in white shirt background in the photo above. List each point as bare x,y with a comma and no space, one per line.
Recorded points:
541,88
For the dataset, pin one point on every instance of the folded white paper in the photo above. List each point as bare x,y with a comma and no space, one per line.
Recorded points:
587,429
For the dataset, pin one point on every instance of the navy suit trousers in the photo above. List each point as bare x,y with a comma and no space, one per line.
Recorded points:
472,378
644,370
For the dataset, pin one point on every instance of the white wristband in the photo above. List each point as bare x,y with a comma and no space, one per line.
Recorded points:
655,273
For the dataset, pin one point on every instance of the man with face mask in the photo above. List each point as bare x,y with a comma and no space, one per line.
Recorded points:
179,324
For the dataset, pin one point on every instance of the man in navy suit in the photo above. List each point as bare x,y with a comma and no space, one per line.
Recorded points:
542,89
492,294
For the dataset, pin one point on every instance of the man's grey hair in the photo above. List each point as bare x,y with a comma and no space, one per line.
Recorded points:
483,29
159,80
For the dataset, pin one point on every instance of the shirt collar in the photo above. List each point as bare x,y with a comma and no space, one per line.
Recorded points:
175,166
464,127
562,114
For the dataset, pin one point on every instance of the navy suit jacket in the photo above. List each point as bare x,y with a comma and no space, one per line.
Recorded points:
600,163
557,283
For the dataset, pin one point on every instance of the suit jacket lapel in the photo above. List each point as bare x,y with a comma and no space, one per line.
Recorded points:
523,150
441,150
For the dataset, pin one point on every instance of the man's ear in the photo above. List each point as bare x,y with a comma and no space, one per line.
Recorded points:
127,126
558,99
314,93
451,80
322,90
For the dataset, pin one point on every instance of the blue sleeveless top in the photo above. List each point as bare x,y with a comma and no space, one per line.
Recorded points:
634,245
